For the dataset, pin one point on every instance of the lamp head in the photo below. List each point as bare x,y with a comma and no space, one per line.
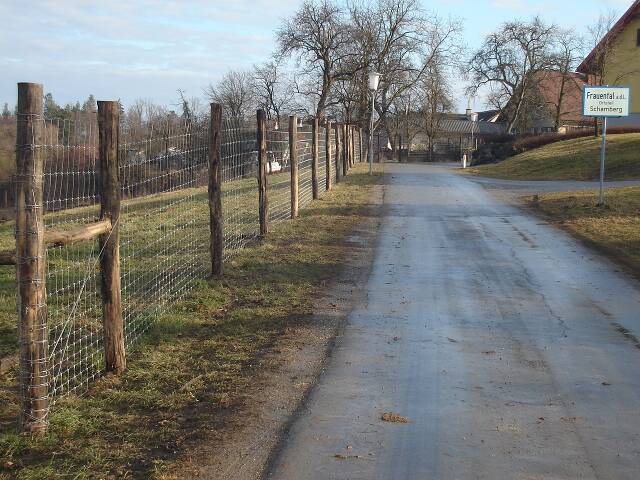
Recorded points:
374,79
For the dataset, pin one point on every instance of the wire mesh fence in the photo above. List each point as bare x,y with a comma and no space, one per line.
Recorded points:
322,156
239,157
356,146
279,168
72,198
334,160
164,223
304,149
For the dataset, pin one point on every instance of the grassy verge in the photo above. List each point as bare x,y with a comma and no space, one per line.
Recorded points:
198,357
613,229
577,159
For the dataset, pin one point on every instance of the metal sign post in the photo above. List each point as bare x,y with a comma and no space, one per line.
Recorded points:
604,102
603,149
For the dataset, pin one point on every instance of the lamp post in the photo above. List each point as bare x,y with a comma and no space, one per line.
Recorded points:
406,120
473,116
374,79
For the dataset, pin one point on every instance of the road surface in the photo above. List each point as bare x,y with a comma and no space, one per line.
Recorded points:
508,346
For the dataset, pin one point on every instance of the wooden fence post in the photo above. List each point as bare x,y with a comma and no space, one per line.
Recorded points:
108,133
215,190
314,159
31,260
263,198
327,154
351,144
360,141
293,158
338,158
345,149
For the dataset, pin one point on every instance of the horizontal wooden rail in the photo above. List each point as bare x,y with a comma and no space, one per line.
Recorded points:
59,238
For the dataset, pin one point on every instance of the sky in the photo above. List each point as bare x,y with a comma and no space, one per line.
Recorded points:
128,49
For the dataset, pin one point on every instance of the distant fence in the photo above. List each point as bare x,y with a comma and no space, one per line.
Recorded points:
113,225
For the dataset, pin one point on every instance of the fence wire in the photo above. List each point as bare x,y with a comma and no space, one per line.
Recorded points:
239,158
164,219
322,160
304,149
71,198
279,181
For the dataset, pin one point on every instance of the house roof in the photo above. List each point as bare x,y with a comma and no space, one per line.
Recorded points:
628,16
549,85
488,116
462,126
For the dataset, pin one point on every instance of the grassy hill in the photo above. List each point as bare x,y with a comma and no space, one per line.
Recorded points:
576,159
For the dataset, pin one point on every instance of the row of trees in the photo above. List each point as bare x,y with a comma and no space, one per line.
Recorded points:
325,52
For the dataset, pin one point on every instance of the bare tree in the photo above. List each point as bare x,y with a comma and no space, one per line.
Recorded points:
319,38
569,48
602,44
507,62
437,100
272,89
401,42
234,91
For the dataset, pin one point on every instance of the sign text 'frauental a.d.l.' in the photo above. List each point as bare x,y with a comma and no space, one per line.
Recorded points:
606,101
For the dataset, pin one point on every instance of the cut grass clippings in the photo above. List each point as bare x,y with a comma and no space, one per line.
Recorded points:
198,358
613,229
576,159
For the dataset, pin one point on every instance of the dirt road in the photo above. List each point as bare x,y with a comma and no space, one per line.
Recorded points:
508,346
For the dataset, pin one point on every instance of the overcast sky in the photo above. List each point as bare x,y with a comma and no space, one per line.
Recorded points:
119,49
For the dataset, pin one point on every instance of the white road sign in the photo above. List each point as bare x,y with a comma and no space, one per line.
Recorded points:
605,101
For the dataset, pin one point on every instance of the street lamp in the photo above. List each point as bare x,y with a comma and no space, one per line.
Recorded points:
473,117
374,79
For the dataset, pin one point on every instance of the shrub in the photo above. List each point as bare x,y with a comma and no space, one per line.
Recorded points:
525,143
500,147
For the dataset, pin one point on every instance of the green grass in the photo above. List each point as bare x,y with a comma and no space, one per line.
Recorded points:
197,359
613,229
576,159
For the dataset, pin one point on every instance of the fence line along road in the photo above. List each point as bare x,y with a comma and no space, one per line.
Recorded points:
114,223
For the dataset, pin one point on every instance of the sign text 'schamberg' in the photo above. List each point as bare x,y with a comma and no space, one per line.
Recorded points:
606,102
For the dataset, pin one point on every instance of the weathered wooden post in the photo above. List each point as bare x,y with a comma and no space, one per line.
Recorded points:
352,143
350,146
293,157
360,144
263,199
327,154
108,140
31,260
215,190
338,159
314,159
345,149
